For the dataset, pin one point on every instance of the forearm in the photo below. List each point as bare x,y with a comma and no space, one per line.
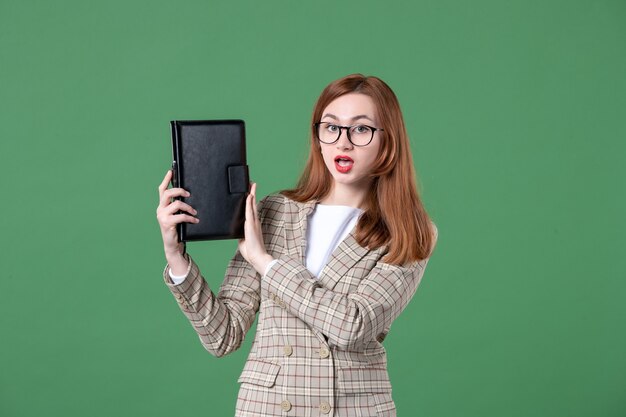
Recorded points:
347,320
221,321
177,262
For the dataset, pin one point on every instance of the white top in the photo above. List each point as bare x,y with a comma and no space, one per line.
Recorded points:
328,227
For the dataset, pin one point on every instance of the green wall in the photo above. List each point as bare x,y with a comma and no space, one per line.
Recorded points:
516,112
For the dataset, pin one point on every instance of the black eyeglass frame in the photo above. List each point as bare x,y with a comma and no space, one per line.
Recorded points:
317,132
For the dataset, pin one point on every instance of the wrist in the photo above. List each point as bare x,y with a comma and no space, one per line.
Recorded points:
175,257
262,262
174,252
179,266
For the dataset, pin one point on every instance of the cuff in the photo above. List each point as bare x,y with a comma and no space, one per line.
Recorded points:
285,280
178,279
172,279
268,267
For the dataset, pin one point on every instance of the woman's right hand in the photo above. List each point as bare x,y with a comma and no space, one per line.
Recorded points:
168,219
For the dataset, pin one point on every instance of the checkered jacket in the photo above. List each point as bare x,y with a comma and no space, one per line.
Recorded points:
318,345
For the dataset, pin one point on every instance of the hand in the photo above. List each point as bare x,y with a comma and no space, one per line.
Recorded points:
168,219
252,247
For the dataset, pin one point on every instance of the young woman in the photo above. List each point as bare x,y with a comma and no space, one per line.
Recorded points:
328,265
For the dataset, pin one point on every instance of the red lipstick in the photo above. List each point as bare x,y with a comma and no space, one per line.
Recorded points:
343,163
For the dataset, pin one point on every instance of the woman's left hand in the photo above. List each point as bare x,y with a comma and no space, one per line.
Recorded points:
252,246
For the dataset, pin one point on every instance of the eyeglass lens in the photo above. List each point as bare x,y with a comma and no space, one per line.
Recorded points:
359,135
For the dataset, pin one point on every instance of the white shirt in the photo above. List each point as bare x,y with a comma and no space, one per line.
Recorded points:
328,227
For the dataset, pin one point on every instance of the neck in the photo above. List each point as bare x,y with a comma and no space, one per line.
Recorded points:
346,195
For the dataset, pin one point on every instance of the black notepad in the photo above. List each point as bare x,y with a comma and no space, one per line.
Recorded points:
209,161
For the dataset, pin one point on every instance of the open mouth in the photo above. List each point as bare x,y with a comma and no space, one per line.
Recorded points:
343,163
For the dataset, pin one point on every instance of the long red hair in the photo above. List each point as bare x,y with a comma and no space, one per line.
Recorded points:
394,215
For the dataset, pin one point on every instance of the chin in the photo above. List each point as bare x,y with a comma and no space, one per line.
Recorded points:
351,178
347,179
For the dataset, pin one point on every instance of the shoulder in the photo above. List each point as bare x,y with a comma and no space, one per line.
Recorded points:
420,266
435,236
277,203
435,232
273,201
274,206
270,207
417,266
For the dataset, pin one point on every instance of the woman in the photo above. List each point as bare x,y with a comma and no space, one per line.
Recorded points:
329,264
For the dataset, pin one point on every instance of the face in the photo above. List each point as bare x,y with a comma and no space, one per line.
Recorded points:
349,164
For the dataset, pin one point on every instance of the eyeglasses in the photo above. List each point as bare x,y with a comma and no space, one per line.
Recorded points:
358,135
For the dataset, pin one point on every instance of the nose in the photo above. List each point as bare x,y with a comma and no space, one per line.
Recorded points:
343,142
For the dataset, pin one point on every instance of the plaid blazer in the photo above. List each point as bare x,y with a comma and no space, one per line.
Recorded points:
318,345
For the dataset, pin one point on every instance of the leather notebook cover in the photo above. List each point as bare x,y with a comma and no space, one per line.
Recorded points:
209,161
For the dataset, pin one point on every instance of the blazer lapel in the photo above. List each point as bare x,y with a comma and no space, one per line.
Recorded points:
344,257
296,223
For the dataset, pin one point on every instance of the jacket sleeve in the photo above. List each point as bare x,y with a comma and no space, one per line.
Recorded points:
221,321
347,320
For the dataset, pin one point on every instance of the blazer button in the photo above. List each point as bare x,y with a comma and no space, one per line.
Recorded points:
324,352
288,350
325,407
285,405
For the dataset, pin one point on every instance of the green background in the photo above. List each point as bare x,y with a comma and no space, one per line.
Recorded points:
517,116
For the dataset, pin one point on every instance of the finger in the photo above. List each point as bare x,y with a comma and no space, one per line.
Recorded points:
254,208
165,182
249,213
179,205
169,222
180,218
170,193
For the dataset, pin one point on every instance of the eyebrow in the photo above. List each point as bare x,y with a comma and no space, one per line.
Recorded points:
360,116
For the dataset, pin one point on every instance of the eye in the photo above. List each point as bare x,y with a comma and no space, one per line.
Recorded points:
360,129
332,128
